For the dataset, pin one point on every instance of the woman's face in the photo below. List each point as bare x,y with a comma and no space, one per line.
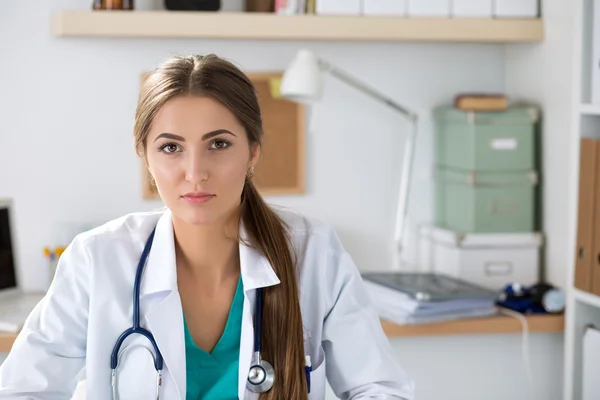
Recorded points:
199,155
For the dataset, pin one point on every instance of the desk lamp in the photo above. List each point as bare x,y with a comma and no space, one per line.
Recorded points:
303,82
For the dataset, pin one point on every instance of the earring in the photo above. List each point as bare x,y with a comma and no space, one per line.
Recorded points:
152,181
250,173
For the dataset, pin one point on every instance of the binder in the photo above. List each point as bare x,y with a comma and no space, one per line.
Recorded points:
587,244
595,257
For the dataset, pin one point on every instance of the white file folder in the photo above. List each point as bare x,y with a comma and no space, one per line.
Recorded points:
591,364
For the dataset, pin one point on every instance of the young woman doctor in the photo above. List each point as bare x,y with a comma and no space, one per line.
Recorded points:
220,296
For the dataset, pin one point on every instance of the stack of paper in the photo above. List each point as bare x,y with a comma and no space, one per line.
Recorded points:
411,298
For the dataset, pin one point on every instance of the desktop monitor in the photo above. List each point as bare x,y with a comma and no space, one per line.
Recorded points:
8,269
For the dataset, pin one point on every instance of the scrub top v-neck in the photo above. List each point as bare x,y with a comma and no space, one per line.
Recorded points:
214,375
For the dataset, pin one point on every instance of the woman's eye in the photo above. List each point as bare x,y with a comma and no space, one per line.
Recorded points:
169,148
219,144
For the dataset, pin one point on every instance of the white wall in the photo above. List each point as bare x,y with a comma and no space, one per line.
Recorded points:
68,142
66,157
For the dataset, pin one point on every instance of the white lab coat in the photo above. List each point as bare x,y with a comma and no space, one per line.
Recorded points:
89,304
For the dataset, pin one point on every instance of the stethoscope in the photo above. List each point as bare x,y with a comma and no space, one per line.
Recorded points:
261,376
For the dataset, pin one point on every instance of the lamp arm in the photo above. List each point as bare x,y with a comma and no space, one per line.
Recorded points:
409,148
407,166
363,87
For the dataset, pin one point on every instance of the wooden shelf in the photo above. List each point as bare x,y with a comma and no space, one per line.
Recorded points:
471,326
269,26
477,326
6,341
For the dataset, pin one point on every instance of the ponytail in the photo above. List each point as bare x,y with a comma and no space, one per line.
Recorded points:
283,341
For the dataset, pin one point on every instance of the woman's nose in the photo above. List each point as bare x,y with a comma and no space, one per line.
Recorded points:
196,169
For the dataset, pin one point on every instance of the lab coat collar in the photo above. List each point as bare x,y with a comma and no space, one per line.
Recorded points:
256,270
165,318
160,273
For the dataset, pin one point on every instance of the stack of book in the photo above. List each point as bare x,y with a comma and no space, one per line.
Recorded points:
413,298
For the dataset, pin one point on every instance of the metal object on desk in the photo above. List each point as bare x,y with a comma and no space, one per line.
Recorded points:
430,286
540,298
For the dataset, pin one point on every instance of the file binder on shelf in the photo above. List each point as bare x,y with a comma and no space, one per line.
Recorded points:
587,257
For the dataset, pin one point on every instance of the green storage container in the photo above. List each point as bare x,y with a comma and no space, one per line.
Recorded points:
490,141
494,202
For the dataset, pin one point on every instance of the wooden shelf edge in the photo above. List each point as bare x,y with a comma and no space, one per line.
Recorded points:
476,326
471,326
6,341
269,26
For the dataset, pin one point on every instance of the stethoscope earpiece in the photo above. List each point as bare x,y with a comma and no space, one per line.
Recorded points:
261,377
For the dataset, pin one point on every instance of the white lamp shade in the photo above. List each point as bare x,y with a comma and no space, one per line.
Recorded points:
302,81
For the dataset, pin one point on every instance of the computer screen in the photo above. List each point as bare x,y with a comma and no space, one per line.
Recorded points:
8,277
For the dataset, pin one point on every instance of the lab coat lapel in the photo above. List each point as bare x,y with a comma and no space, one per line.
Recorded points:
256,272
161,304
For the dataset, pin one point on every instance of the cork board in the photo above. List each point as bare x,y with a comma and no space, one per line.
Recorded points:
281,168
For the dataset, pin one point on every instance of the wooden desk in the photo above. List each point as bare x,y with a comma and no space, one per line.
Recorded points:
478,326
6,341
473,326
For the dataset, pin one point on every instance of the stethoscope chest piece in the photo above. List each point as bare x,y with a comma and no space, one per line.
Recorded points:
260,377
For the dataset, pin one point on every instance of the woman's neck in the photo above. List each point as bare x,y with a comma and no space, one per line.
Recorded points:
207,252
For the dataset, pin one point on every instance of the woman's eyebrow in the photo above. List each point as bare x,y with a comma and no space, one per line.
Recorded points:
215,133
206,136
170,136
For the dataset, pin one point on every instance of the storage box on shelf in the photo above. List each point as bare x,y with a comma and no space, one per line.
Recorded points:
338,7
397,8
487,202
429,8
486,141
516,8
470,8
488,260
486,227
486,170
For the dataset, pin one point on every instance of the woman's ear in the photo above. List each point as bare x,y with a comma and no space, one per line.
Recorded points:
254,155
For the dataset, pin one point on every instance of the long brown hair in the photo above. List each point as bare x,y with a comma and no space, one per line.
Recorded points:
209,75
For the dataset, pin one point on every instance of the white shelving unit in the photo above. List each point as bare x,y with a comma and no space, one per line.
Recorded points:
589,109
583,307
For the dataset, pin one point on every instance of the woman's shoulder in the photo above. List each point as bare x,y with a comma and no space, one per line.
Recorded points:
133,226
306,231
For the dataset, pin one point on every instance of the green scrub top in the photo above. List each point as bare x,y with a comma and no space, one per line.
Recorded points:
214,375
